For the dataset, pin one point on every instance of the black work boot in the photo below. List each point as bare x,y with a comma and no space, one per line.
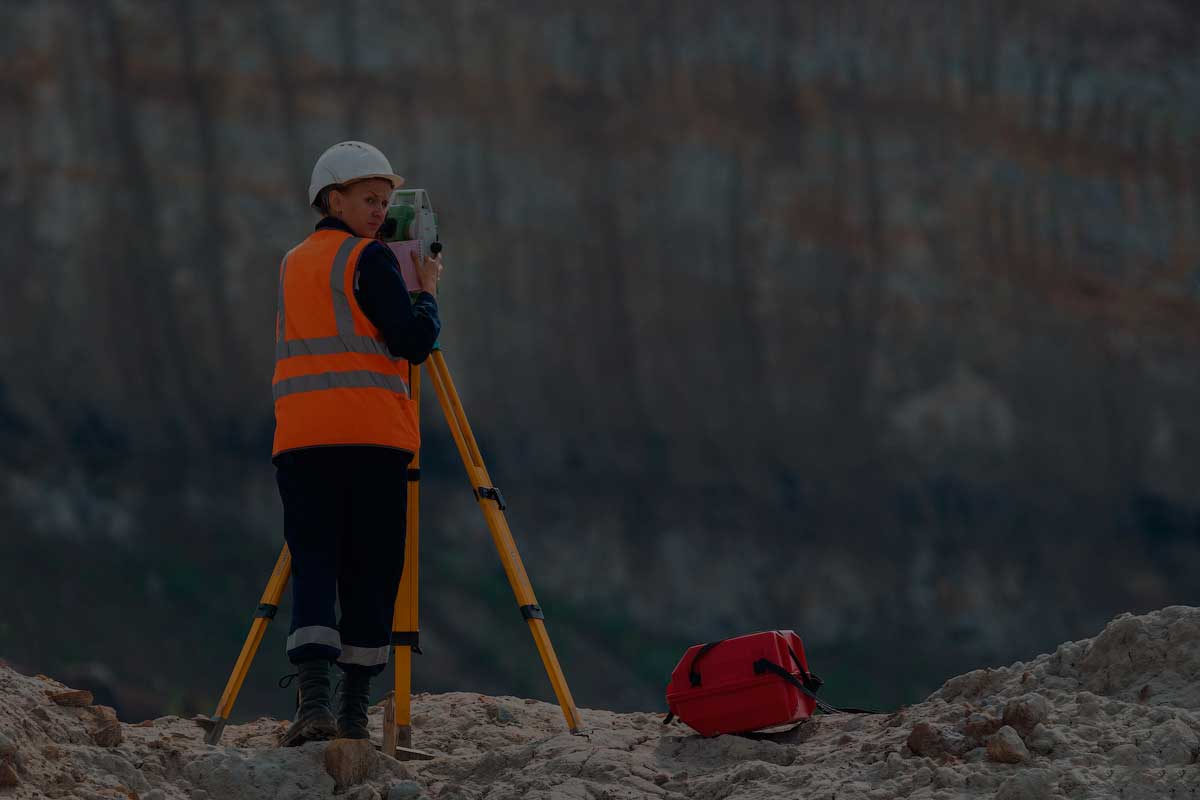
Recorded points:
314,721
352,710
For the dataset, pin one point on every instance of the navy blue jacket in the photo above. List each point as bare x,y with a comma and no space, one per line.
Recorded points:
409,327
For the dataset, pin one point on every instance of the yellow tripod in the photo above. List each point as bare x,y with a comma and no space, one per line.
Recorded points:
398,730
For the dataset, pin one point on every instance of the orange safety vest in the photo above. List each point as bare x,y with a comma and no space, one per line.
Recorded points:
335,381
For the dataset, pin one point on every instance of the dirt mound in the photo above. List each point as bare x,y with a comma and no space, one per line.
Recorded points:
1113,716
1152,660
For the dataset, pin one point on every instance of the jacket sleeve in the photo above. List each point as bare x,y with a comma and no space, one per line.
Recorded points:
410,328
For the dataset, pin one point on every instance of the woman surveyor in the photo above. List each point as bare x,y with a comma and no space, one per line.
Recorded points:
345,432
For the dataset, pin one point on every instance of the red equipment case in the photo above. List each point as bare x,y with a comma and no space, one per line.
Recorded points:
726,687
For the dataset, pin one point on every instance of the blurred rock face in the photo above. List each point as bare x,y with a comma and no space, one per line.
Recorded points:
881,317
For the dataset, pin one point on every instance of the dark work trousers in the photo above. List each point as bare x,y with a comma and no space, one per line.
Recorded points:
344,514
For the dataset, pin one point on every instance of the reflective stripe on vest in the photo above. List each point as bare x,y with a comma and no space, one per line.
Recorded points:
329,345
355,379
347,341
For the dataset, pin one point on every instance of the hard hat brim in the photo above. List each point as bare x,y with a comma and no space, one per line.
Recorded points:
397,180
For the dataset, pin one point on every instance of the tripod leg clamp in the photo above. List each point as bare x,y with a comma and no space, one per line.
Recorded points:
265,611
532,611
407,638
492,493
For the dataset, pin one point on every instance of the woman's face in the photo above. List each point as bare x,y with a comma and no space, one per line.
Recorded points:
362,205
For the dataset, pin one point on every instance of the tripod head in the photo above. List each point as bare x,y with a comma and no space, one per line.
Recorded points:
410,227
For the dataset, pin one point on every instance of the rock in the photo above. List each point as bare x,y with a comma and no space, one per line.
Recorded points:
925,740
1006,747
114,764
946,778
348,761
283,773
8,775
76,698
500,714
154,794
1173,742
891,766
934,741
1042,740
104,727
1034,784
404,790
363,793
980,726
1023,713
1087,705
975,756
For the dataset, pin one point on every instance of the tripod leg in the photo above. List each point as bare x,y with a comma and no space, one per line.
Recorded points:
268,604
405,630
492,504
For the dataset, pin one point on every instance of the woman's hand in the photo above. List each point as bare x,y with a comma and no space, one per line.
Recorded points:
429,271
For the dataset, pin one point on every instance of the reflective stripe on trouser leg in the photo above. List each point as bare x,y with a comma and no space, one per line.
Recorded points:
314,634
364,656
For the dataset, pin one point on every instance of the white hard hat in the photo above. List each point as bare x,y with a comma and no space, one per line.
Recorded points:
346,162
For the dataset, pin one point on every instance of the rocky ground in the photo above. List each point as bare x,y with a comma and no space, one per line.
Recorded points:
1113,716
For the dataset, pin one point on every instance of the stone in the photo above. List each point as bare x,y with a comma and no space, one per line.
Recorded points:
154,794
348,761
104,727
363,793
1024,712
284,773
1042,740
500,714
979,727
8,748
1006,747
1173,742
946,778
1034,784
114,764
891,766
404,790
1087,705
976,756
8,775
75,698
933,741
